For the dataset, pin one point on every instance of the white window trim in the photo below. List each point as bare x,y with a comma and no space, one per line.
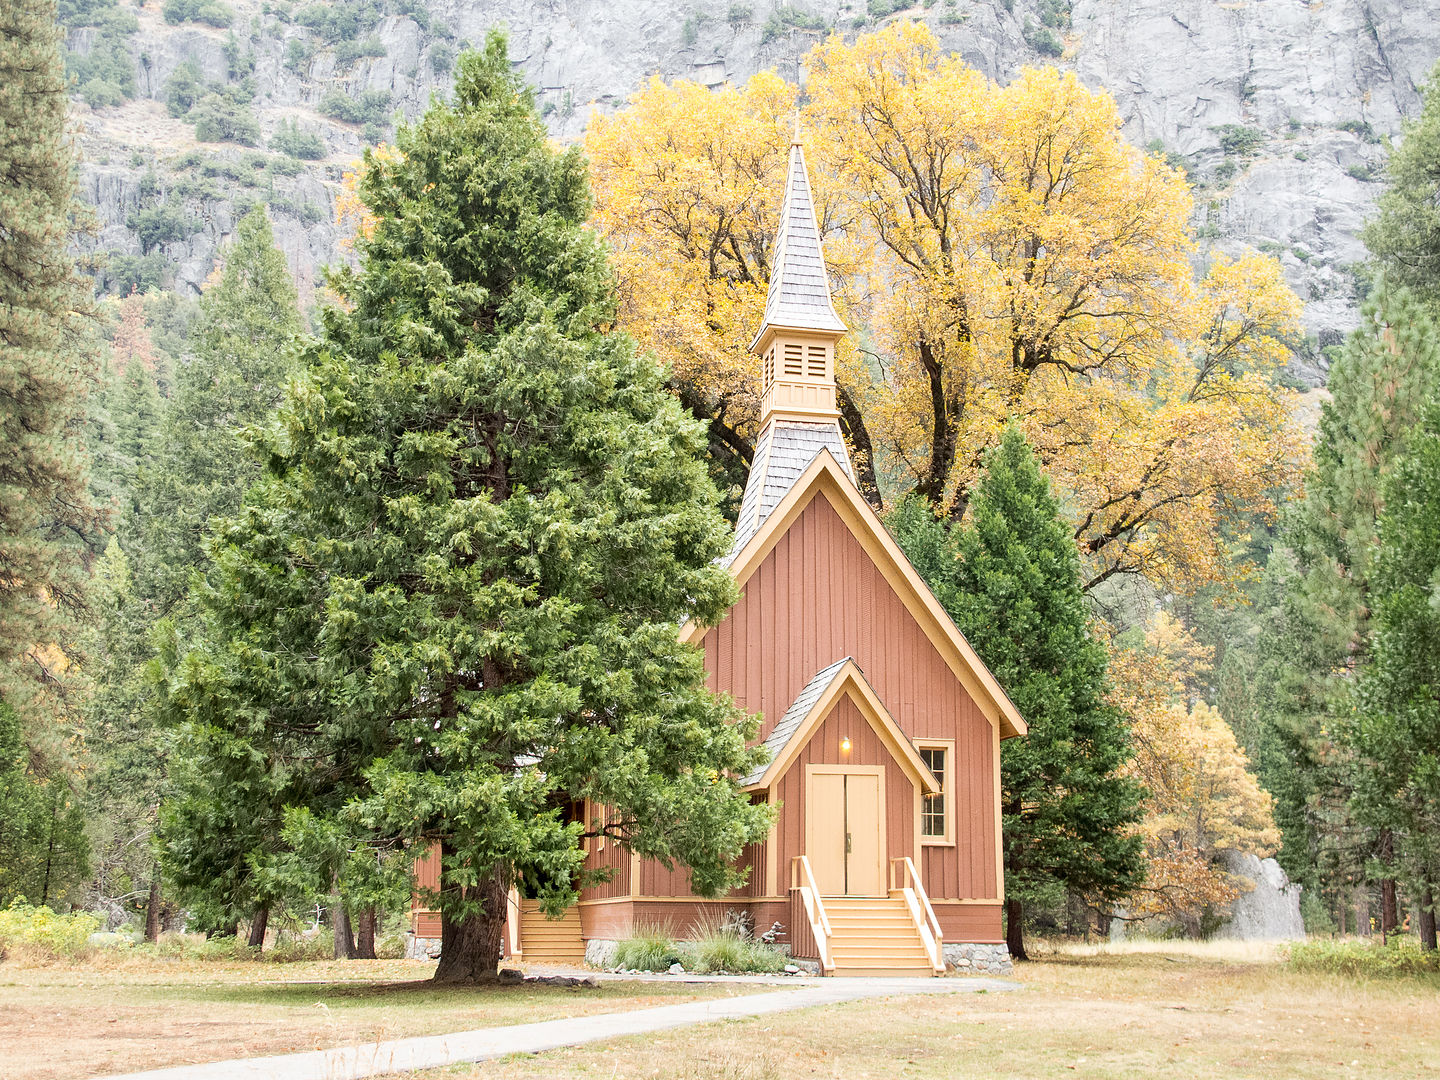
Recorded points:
947,787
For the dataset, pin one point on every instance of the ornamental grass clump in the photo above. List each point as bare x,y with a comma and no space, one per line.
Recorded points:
648,948
727,946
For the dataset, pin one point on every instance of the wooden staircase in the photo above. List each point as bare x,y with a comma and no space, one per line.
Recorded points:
550,941
874,936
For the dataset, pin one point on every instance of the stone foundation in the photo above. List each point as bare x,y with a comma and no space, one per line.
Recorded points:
600,953
978,959
421,948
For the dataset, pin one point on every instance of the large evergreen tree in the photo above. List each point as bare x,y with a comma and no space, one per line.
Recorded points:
452,610
1010,578
1378,388
47,364
1395,734
240,358
1404,237
241,355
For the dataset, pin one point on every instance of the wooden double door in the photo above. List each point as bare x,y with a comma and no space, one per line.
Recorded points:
845,829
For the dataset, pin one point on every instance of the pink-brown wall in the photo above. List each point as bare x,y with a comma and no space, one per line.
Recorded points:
818,597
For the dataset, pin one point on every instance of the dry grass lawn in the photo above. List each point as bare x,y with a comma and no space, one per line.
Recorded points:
122,1015
1145,1013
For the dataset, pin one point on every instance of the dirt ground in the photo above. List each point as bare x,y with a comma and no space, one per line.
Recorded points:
116,1016
1177,1012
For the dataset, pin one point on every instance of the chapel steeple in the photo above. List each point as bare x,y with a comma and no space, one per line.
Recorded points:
796,344
797,338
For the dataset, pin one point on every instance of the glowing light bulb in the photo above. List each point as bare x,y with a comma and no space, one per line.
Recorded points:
845,746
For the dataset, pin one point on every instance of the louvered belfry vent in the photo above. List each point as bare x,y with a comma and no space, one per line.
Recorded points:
797,338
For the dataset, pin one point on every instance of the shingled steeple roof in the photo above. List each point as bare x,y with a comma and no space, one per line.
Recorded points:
799,296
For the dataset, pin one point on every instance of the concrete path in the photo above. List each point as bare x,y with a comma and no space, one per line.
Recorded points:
433,1051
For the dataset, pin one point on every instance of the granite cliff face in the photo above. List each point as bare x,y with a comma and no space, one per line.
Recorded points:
1278,108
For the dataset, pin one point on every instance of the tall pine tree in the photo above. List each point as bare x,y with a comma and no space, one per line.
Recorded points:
48,361
242,355
452,611
1404,236
1395,733
1378,388
1010,578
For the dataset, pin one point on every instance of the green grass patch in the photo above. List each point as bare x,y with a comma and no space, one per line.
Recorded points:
1402,957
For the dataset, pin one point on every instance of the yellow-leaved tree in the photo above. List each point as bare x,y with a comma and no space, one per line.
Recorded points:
1000,253
1201,797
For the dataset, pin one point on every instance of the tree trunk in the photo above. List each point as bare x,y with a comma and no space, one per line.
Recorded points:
470,949
1103,920
1427,919
365,935
152,907
257,927
1389,901
1014,932
344,939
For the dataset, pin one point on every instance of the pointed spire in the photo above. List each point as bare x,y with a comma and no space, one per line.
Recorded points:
799,297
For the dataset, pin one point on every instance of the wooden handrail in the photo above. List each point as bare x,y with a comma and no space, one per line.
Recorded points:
512,912
921,911
802,880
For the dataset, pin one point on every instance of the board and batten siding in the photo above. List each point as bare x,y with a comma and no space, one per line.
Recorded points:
823,748
818,597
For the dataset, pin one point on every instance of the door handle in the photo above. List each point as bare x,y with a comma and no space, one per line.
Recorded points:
847,843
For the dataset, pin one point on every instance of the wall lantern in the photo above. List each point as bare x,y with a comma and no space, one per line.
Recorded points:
845,745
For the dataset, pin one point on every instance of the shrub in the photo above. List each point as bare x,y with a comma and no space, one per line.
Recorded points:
1042,39
209,12
220,119
285,166
1225,170
442,58
785,18
289,139
297,56
372,106
1360,172
1239,141
1402,957
160,225
339,22
739,14
41,932
183,89
648,948
123,274
347,52
1361,128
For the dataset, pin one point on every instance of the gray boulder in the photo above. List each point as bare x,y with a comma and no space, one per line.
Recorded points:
1270,911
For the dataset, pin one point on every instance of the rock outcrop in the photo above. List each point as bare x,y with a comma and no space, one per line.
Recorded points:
1277,108
1270,910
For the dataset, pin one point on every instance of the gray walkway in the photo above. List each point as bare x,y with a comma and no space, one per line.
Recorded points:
432,1051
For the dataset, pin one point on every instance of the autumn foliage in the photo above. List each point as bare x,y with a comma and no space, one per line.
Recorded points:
1004,253
1202,797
